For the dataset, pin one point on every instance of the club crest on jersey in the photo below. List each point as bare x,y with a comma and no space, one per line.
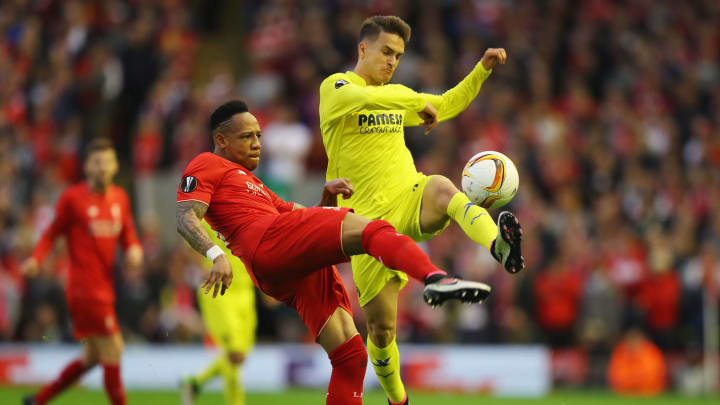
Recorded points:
340,83
188,184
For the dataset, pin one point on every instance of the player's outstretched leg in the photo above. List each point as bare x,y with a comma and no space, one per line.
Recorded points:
399,252
502,240
67,377
72,372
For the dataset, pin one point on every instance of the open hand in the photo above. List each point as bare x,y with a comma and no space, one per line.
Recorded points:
220,276
134,257
429,117
492,57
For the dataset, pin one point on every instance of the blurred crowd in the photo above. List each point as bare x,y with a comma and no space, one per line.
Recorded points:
609,109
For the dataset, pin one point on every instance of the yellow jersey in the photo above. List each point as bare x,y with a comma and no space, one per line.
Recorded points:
363,131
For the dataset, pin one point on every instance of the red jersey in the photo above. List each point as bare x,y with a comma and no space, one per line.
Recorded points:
92,223
240,207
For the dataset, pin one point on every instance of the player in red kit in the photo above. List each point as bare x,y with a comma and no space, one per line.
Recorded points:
289,250
93,216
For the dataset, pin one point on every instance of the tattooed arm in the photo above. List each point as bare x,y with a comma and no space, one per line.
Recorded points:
189,214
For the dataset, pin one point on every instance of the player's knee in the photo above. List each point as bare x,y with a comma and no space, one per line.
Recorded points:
382,332
236,358
91,358
443,190
371,229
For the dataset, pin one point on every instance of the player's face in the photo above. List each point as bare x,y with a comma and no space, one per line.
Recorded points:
381,56
241,144
100,168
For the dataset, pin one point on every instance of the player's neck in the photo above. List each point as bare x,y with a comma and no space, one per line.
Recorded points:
98,188
368,79
222,154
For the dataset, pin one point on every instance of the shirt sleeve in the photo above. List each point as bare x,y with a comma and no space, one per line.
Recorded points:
128,235
338,98
199,181
58,226
455,100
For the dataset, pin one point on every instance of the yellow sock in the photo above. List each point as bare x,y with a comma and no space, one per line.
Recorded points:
213,369
233,389
386,362
474,220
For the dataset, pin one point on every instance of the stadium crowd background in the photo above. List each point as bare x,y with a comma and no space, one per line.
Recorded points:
610,110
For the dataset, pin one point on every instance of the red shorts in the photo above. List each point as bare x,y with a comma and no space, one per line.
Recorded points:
294,263
92,318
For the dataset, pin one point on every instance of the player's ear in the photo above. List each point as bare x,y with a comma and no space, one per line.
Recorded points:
362,46
219,139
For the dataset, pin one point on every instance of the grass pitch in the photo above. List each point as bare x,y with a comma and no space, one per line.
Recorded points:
79,396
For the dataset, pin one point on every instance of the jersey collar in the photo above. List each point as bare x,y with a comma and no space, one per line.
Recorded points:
355,78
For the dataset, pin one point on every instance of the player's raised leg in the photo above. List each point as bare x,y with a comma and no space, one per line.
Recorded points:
381,240
441,199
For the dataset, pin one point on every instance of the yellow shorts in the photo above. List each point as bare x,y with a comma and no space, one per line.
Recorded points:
230,319
369,275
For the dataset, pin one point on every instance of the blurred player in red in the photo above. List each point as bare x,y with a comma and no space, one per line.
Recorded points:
289,250
93,216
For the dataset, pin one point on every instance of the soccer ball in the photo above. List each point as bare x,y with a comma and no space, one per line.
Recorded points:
490,179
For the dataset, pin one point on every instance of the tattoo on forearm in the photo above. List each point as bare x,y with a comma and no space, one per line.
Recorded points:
189,214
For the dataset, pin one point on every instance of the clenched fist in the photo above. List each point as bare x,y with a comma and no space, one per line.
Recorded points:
492,57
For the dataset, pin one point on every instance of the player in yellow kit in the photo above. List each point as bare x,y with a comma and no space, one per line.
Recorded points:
231,321
362,120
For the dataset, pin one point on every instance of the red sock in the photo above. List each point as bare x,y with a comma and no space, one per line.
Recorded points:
348,361
69,375
396,251
113,384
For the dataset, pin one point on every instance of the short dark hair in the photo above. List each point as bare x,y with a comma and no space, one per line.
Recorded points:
391,24
99,144
222,114
225,112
